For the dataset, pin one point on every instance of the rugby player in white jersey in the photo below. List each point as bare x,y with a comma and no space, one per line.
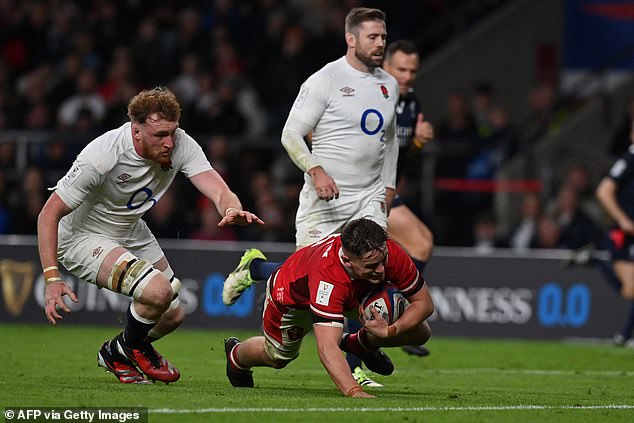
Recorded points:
349,107
92,225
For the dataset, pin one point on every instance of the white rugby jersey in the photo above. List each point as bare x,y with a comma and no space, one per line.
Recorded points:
352,114
110,186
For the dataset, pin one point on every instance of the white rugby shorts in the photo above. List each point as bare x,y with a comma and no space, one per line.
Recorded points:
82,253
317,218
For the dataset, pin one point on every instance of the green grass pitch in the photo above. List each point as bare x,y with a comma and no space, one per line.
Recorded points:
463,380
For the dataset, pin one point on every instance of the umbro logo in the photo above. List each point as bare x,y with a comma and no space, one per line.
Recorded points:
123,178
97,252
347,91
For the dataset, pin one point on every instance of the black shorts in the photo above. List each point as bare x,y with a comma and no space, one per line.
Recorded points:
397,201
621,246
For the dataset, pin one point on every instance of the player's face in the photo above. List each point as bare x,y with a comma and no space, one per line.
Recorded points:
403,67
370,266
155,139
370,43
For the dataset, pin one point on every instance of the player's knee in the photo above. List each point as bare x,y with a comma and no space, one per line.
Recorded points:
158,293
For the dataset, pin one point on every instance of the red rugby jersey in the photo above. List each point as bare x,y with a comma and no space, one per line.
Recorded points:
315,278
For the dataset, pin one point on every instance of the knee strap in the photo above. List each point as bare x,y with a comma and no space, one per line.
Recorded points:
130,275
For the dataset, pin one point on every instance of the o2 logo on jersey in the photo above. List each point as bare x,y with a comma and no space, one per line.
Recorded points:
140,197
372,123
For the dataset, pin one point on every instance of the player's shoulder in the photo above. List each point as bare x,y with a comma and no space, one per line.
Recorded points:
329,71
386,77
103,152
184,140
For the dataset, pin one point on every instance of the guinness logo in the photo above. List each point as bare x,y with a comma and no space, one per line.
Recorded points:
17,281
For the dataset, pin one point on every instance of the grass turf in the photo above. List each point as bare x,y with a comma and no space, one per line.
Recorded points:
470,380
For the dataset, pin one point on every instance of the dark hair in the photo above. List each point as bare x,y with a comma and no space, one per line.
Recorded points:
405,46
157,100
358,15
361,236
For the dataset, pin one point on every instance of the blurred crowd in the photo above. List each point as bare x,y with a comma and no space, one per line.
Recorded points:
68,69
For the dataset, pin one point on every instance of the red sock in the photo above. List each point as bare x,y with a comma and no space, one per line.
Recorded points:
357,343
233,359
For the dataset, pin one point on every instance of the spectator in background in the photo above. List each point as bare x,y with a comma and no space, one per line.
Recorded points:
153,52
266,203
186,84
290,65
64,81
209,230
222,115
544,114
548,233
5,210
8,156
39,117
577,228
457,134
28,202
116,111
217,151
525,231
577,177
485,234
458,142
86,103
32,89
482,102
120,72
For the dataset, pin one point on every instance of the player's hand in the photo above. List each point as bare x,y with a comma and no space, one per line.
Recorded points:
626,226
358,392
423,132
377,326
55,299
240,218
325,187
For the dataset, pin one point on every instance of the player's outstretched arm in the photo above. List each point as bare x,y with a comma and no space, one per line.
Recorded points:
211,185
328,337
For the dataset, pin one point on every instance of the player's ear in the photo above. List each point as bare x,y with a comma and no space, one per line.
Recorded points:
136,132
350,39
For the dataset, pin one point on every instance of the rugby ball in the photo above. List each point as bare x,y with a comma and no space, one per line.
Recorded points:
387,301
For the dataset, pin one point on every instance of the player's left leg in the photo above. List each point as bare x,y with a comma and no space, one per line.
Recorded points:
355,363
174,315
242,277
284,331
125,273
418,241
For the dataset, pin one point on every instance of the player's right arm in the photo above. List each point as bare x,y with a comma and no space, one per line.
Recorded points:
307,109
328,336
47,226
